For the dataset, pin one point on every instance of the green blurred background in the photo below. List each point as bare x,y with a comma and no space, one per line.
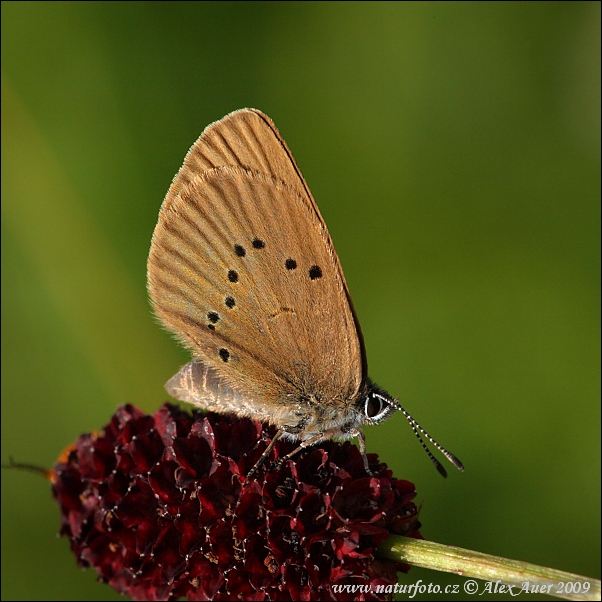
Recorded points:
454,151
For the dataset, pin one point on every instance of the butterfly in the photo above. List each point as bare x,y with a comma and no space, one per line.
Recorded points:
243,271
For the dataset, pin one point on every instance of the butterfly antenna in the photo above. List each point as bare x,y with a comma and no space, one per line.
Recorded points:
416,428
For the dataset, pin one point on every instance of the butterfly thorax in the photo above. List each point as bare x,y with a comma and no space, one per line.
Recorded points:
312,415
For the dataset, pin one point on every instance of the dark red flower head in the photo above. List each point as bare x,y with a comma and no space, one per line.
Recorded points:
160,507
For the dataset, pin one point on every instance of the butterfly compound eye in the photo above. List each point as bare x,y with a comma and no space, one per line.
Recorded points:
375,408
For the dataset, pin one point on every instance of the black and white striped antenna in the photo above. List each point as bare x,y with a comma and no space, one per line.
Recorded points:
417,430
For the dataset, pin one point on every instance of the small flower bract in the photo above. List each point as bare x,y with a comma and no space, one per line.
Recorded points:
159,505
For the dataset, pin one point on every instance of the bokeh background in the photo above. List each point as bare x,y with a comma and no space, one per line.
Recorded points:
454,151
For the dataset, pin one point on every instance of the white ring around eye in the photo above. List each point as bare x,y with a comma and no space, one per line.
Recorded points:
382,410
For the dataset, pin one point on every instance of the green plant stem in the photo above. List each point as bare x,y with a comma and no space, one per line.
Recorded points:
493,569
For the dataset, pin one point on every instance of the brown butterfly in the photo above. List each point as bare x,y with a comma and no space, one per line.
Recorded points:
243,271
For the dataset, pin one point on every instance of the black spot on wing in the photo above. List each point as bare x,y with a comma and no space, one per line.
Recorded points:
315,272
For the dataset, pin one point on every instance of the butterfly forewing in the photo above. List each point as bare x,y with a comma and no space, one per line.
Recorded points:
243,271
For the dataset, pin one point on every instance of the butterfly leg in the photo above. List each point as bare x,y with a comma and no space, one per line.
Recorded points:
321,436
265,454
291,430
361,439
307,443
